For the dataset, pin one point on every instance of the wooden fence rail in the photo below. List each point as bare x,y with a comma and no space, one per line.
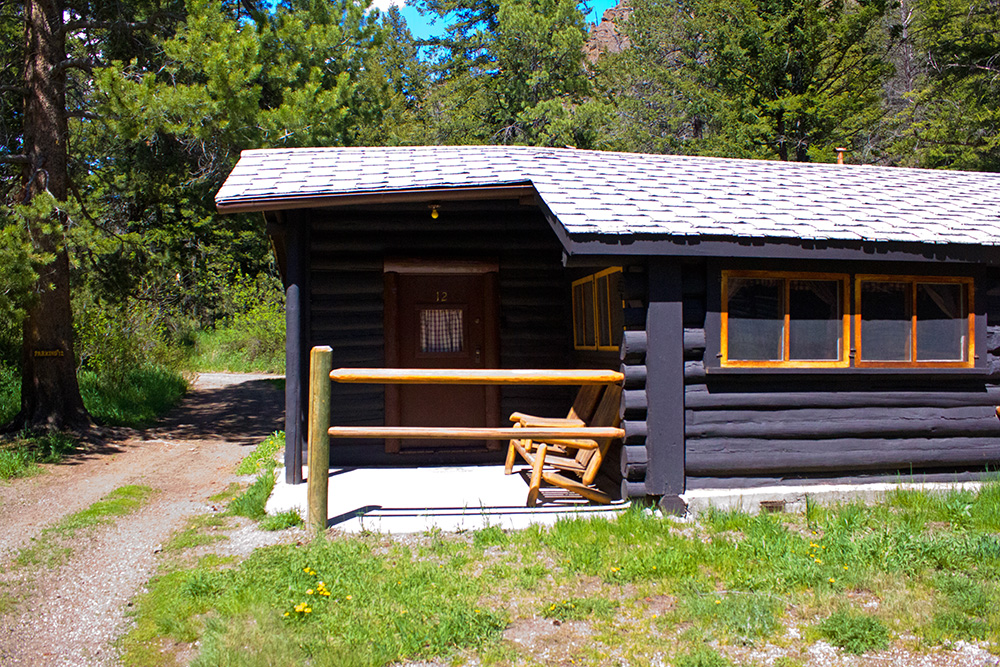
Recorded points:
320,431
477,376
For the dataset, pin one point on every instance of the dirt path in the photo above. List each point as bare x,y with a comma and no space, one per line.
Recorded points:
70,616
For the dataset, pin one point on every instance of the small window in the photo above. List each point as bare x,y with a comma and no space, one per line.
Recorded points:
441,330
598,311
778,319
914,320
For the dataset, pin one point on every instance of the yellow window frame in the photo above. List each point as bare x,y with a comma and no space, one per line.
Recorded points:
969,283
595,316
843,359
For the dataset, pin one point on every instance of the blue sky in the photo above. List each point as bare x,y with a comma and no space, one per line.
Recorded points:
420,26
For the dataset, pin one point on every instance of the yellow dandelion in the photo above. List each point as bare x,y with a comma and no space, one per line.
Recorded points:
477,611
831,580
718,602
309,591
286,614
846,568
403,612
308,610
349,597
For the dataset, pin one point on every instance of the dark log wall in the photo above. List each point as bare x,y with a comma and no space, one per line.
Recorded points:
347,250
744,427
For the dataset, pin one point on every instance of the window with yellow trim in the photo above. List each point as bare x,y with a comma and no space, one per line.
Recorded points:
914,321
598,311
784,319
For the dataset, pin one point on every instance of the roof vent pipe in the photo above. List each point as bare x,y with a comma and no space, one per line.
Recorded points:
840,155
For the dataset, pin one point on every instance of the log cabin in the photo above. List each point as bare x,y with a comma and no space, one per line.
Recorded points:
774,321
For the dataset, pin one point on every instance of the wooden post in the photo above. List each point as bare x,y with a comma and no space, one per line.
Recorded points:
320,364
294,354
665,475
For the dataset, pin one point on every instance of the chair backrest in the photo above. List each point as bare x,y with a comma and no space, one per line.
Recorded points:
607,413
586,402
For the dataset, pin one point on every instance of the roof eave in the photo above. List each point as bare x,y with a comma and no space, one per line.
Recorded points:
332,200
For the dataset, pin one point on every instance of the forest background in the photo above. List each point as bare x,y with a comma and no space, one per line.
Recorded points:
156,98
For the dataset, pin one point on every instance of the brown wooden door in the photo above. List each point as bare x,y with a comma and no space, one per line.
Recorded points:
446,319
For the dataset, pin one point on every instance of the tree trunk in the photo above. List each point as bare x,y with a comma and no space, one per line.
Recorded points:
50,395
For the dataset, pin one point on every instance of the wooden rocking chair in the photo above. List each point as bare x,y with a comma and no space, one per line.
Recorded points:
595,405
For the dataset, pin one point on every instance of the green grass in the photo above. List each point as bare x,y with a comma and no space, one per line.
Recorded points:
10,392
263,455
283,520
650,590
137,399
51,549
21,455
273,607
855,632
235,350
577,609
251,502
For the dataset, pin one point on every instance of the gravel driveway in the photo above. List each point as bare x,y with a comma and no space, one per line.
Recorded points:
71,615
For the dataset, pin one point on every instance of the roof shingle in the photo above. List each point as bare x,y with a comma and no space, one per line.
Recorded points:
629,193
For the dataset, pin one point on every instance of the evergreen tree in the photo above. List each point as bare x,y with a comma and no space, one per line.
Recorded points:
791,79
511,72
954,118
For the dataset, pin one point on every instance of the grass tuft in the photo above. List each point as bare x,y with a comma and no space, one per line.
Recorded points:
21,455
855,632
577,609
702,656
251,502
263,455
289,519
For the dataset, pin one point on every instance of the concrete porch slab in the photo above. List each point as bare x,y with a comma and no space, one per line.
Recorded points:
414,500
793,498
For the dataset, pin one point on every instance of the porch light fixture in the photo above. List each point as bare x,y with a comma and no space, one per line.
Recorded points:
434,211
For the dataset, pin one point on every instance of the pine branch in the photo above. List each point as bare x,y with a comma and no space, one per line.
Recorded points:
73,63
14,159
72,26
89,115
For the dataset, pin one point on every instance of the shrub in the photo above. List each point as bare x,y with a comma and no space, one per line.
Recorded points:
252,337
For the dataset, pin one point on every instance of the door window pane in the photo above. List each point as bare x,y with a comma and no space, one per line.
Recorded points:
886,322
441,330
815,326
756,319
942,322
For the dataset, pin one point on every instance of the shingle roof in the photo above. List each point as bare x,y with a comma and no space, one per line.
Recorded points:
594,192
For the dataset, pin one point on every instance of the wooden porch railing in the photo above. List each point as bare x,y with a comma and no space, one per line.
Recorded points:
320,432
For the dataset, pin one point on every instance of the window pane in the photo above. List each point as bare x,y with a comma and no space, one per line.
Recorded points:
583,313
942,324
441,330
815,326
617,308
756,319
885,321
603,318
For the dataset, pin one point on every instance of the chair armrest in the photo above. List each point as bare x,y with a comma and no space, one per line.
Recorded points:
532,420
